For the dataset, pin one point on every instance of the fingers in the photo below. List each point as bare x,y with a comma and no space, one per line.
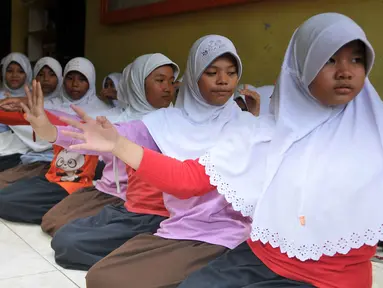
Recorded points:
82,114
73,123
75,135
107,124
29,96
40,96
79,147
34,92
26,111
100,119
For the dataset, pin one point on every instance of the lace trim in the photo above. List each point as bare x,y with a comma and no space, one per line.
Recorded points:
313,251
224,188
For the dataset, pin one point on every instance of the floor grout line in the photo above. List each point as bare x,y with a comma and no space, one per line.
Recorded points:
26,275
56,269
62,272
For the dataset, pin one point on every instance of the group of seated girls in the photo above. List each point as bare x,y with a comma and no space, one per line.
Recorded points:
232,186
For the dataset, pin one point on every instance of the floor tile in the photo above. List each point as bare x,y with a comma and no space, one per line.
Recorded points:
43,280
17,258
77,277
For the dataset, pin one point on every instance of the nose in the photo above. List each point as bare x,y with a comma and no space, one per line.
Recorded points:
167,86
344,71
75,83
223,78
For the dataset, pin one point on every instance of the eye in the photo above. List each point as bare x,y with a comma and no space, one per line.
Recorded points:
60,162
358,60
72,163
232,73
210,74
331,61
160,80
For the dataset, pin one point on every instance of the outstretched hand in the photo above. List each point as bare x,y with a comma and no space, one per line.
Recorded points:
35,114
96,134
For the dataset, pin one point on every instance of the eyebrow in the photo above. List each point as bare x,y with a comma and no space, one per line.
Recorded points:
359,51
162,75
216,67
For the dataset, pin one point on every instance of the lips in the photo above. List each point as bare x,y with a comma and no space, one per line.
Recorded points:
343,89
222,93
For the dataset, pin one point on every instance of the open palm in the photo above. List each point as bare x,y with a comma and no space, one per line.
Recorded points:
97,135
34,110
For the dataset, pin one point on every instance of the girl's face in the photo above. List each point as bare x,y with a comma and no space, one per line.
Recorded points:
159,87
48,80
219,81
15,76
109,84
342,77
76,85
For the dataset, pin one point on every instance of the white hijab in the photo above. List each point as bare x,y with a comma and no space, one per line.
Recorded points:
311,177
89,102
263,91
24,62
115,77
191,128
56,68
131,89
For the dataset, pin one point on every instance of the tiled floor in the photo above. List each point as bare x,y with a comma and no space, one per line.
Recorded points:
26,261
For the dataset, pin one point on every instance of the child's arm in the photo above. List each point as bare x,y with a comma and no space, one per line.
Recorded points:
18,118
181,179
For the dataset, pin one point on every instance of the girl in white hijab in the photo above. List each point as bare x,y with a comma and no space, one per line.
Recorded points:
31,157
79,89
17,72
45,71
109,89
300,173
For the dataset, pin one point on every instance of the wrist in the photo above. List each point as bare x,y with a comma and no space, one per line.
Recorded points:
117,145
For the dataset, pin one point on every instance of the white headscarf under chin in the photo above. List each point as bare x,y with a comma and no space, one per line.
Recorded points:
131,89
263,91
191,128
115,77
24,62
56,68
319,164
89,102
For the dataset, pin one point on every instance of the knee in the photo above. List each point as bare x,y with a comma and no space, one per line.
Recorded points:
63,243
48,224
98,278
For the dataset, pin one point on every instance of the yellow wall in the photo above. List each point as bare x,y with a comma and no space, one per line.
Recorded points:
19,28
260,31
